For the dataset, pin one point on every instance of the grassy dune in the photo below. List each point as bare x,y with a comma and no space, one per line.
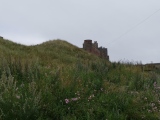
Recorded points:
56,80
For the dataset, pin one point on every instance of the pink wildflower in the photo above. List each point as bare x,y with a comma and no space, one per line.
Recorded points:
74,99
67,101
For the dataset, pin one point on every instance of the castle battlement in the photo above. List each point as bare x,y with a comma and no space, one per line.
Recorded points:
94,49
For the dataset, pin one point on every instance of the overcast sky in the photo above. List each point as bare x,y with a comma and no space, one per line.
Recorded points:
130,29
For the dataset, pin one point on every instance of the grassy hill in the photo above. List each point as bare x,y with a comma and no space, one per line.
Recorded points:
56,52
56,80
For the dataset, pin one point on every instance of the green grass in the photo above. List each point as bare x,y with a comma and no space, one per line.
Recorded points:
59,81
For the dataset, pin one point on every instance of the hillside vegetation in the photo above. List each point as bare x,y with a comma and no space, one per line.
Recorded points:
56,80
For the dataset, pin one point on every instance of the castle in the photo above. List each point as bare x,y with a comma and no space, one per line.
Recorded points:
94,49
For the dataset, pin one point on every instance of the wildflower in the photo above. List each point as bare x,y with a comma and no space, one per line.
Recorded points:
91,96
143,116
17,96
155,108
158,87
152,104
154,84
22,85
149,111
77,93
74,99
67,101
145,98
137,92
16,88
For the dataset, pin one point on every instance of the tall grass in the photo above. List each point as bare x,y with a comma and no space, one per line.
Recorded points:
80,88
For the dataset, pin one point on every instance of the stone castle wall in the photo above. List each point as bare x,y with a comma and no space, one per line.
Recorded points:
94,49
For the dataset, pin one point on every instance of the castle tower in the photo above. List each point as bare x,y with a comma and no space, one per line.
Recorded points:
95,44
87,45
94,49
103,53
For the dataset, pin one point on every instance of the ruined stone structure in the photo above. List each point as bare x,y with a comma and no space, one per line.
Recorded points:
152,66
94,49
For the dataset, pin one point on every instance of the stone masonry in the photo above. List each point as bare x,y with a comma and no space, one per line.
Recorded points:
94,49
